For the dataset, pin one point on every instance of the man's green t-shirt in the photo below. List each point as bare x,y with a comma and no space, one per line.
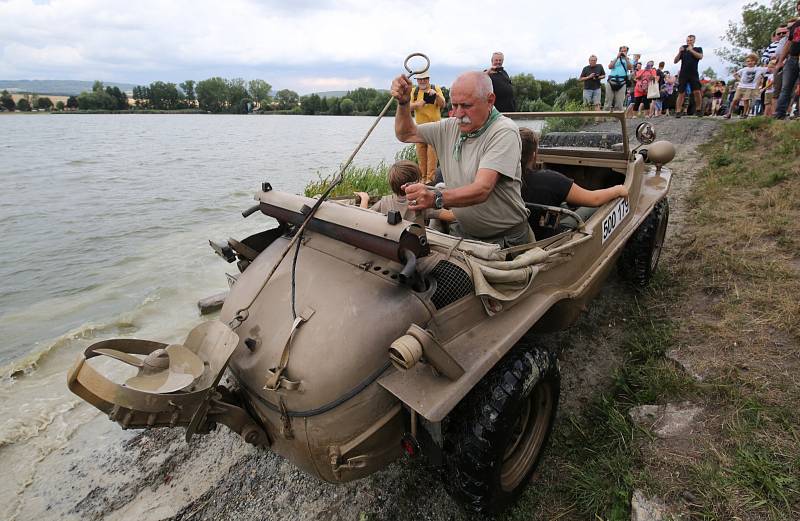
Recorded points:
498,149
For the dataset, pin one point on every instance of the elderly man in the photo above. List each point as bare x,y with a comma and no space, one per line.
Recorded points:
426,101
501,85
479,150
591,76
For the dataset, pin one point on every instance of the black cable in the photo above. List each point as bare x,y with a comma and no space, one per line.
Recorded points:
294,269
324,408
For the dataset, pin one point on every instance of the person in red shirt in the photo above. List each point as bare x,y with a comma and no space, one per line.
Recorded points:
643,79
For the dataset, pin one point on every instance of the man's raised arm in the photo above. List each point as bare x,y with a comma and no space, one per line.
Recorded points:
404,127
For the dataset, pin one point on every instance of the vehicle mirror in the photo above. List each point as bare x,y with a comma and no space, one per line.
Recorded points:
645,133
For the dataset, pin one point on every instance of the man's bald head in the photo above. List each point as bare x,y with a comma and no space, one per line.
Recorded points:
475,81
472,98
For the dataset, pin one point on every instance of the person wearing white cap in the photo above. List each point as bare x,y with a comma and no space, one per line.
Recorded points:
426,101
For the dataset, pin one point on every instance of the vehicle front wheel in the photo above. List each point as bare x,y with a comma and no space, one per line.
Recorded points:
497,434
639,259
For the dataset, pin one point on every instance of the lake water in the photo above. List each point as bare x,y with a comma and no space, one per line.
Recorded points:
105,221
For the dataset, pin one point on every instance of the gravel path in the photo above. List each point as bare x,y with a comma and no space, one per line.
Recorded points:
156,475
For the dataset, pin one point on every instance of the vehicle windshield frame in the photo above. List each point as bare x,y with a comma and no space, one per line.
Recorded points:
590,115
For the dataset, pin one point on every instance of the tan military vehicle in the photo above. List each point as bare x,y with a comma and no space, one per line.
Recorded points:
363,337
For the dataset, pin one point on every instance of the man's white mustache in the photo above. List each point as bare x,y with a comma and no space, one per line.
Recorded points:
464,120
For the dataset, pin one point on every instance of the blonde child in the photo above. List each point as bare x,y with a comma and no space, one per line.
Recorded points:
748,89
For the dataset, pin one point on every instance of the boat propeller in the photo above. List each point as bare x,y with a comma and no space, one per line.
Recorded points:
165,370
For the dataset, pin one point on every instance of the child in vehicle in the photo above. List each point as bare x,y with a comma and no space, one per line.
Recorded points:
401,174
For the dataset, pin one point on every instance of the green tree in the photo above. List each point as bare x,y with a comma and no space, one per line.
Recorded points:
120,98
24,105
59,105
164,96
212,94
188,90
44,103
97,86
346,106
311,104
526,88
7,101
72,102
753,33
287,99
710,74
238,97
259,90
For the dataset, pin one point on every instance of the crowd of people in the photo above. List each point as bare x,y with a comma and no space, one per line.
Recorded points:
766,85
488,166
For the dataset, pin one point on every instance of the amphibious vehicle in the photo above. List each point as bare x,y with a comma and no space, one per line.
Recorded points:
364,336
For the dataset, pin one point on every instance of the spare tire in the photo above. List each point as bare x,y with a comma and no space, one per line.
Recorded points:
604,140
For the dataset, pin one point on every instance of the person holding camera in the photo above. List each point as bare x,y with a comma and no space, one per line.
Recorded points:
619,69
426,101
501,84
591,76
690,57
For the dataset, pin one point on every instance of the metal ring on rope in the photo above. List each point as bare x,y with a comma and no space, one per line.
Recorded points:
414,55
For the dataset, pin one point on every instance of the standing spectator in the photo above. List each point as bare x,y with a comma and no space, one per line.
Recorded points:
501,83
773,48
718,91
788,60
426,101
656,105
617,82
690,57
777,81
769,90
644,77
668,93
591,76
749,81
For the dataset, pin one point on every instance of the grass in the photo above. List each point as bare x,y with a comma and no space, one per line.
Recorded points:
728,291
370,179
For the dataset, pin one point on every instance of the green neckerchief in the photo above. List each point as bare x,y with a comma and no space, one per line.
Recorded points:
475,133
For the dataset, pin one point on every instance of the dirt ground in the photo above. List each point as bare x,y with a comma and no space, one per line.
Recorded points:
220,477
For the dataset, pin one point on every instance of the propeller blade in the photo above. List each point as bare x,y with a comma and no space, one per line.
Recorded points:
183,360
122,357
160,383
184,368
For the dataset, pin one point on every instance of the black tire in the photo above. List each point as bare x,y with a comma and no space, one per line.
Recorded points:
496,436
639,259
604,140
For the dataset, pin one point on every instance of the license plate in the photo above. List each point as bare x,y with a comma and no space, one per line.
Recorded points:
616,216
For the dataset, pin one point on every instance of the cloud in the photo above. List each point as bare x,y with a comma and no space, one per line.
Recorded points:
308,40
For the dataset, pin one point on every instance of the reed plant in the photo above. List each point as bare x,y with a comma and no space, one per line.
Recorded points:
371,179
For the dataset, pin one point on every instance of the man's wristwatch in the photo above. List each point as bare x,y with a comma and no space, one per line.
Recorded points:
438,200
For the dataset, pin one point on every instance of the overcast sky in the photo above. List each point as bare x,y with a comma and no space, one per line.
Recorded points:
318,45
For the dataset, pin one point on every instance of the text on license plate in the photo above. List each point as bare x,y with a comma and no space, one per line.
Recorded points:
616,216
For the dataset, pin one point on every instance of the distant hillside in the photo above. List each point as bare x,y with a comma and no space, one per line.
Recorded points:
57,87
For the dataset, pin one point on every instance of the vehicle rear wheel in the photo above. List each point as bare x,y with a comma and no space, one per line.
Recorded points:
605,140
497,434
640,258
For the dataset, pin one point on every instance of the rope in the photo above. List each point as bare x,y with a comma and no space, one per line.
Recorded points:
241,314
